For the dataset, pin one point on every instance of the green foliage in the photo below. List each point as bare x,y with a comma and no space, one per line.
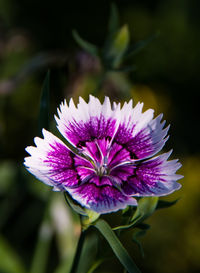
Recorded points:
74,205
116,246
116,47
136,48
146,207
90,48
162,204
113,23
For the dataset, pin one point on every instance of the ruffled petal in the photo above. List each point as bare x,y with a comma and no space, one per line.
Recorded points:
52,162
102,199
88,121
154,177
139,133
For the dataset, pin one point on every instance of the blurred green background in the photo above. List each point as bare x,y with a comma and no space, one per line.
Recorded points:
36,36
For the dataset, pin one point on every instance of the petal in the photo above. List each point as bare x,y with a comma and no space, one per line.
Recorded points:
122,173
117,154
87,121
155,177
139,133
150,140
52,162
102,199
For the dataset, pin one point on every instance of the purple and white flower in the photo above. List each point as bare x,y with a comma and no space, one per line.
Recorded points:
109,155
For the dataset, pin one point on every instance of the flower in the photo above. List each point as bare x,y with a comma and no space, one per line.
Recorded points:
109,155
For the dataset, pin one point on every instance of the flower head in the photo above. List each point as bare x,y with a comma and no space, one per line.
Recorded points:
109,157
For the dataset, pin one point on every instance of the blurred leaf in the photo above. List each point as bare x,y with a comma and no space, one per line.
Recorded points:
9,260
7,175
113,23
95,265
44,105
74,205
92,49
137,234
118,46
126,69
162,204
113,27
116,246
88,254
134,49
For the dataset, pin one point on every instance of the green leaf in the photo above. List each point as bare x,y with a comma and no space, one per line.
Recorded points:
113,24
74,205
126,69
119,46
162,204
113,27
95,265
116,246
44,105
130,225
90,48
134,49
146,207
137,234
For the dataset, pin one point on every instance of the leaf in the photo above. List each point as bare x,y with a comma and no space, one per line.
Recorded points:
126,69
113,23
44,105
132,224
134,49
137,234
116,246
74,205
119,46
88,253
146,207
90,48
113,26
95,265
162,204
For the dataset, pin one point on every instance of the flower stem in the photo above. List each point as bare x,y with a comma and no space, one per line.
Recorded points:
78,252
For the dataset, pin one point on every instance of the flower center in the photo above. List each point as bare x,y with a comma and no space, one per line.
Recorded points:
105,159
101,169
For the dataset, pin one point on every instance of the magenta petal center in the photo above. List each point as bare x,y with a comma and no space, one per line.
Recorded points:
107,163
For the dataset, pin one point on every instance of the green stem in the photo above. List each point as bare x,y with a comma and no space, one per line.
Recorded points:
78,252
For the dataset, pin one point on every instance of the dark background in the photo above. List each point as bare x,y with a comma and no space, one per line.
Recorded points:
37,35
